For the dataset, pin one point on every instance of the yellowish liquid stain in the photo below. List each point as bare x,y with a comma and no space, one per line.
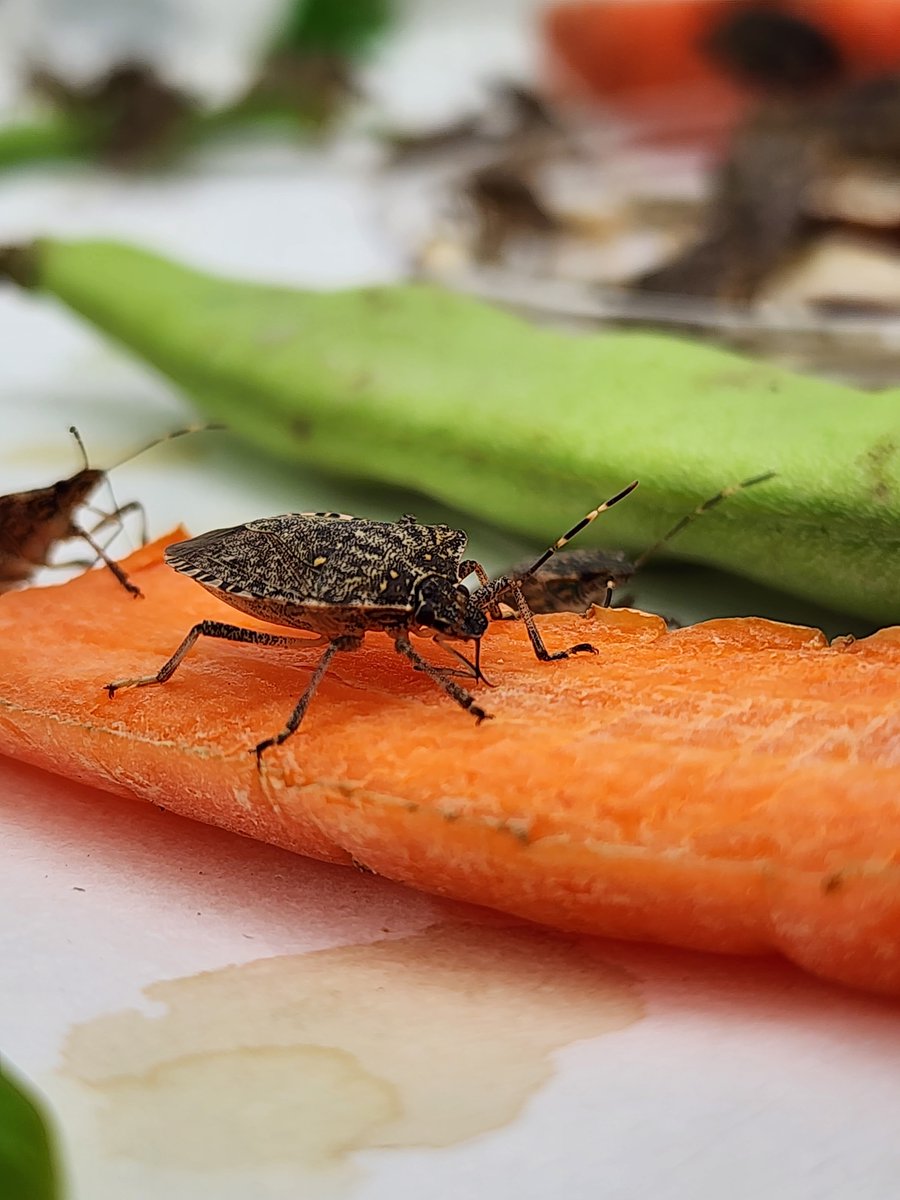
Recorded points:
419,1041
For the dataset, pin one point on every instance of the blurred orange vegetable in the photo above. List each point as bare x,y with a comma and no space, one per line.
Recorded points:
649,59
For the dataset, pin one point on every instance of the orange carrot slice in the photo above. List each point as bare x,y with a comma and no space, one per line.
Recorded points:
620,48
644,57
734,786
641,59
867,31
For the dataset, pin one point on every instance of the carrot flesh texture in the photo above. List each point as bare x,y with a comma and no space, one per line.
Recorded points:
733,787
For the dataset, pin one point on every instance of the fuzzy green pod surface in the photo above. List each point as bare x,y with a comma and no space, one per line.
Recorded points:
522,426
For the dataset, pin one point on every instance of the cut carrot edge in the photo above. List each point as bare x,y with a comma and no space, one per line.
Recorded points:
733,786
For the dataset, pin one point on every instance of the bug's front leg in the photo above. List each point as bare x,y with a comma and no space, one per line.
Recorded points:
106,519
471,566
131,588
488,595
117,517
463,698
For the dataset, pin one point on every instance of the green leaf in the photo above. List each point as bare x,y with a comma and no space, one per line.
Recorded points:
27,1162
340,27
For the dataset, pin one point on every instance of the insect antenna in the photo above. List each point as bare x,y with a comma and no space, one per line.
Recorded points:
116,507
576,529
167,437
692,516
86,466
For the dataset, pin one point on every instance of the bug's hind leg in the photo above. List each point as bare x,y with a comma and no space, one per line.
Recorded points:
463,698
215,629
255,637
293,721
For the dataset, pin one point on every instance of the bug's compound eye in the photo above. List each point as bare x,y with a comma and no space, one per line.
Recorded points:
443,622
426,615
436,609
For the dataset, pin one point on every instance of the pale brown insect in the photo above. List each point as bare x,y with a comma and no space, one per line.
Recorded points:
32,523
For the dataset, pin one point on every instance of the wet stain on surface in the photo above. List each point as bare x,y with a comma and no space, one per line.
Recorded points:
419,1041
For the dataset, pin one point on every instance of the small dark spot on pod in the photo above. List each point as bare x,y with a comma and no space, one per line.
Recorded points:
833,882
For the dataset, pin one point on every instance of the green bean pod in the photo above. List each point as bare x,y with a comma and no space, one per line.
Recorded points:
28,1159
523,426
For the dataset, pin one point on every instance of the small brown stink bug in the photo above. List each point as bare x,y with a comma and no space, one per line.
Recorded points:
577,579
342,577
33,522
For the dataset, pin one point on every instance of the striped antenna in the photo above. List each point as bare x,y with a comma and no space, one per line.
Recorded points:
692,516
167,437
576,529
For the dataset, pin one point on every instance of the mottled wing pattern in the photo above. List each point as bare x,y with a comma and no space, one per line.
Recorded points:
327,559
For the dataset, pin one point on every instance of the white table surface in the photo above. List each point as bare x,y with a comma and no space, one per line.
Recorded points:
463,1060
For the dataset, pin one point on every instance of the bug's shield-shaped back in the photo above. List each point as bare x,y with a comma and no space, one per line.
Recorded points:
322,559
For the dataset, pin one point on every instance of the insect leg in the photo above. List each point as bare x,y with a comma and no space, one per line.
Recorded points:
484,597
83,564
215,629
131,588
293,721
470,566
115,518
463,698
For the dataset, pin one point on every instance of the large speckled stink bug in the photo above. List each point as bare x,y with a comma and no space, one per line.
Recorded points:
343,577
